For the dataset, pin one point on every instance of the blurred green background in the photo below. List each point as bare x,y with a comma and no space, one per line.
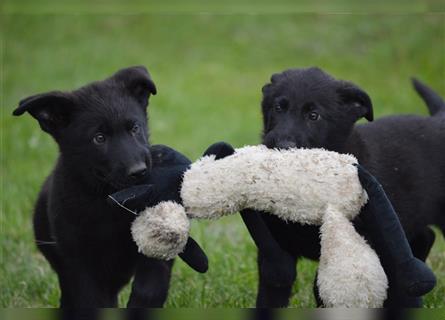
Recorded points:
209,61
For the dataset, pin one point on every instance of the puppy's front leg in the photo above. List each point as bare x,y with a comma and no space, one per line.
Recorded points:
81,289
276,267
273,292
151,283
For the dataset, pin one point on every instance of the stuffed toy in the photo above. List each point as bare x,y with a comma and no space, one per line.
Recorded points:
307,186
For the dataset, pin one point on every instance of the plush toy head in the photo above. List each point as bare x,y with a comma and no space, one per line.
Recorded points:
161,229
162,232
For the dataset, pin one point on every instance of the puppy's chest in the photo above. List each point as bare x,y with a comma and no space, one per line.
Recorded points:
92,226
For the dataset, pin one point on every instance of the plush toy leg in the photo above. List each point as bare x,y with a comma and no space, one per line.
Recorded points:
389,240
349,274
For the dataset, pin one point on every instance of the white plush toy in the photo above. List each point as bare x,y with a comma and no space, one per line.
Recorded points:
308,186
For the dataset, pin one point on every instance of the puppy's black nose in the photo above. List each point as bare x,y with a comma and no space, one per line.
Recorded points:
138,170
286,144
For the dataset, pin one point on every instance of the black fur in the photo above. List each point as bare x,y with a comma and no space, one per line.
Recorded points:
434,102
101,130
309,108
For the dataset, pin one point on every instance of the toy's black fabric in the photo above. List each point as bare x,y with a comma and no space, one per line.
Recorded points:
163,184
389,240
219,150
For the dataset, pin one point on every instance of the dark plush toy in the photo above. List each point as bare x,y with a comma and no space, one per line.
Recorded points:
382,223
166,175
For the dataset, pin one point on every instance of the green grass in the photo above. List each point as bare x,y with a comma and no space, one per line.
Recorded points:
209,69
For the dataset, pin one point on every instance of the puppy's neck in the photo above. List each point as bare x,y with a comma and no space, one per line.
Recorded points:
353,144
80,179
338,141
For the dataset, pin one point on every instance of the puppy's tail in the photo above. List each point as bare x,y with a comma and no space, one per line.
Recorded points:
434,102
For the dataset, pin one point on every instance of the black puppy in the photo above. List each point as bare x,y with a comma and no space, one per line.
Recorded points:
101,131
308,108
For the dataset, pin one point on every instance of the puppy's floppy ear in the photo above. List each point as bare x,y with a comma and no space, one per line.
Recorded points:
138,82
357,99
52,109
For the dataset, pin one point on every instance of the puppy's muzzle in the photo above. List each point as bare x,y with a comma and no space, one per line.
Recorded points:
137,171
285,144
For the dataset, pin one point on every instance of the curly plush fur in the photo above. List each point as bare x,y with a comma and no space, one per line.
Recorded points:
348,265
321,188
255,177
161,231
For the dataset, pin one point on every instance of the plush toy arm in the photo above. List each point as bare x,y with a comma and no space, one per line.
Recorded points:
194,256
388,237
162,232
135,199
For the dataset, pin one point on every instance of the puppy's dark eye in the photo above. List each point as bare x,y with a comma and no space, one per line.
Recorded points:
313,116
135,129
99,138
281,105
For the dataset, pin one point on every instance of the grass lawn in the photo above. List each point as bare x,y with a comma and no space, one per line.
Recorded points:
209,68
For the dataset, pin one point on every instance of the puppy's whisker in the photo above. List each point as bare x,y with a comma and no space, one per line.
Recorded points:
129,198
122,206
41,242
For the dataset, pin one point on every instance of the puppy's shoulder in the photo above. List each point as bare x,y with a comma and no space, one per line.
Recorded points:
163,155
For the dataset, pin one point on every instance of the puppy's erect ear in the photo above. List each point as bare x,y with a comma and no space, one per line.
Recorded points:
52,110
273,80
138,82
357,99
266,88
